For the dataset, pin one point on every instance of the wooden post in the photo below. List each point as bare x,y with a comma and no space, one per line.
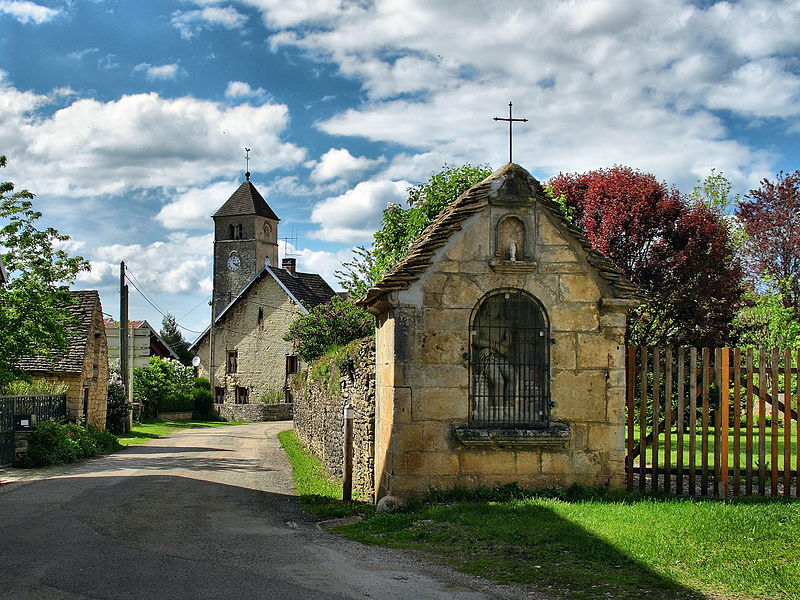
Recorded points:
643,421
668,421
347,484
692,420
656,412
787,422
776,373
630,374
737,420
724,400
681,425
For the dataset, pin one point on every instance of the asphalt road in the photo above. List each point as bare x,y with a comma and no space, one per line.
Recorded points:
205,513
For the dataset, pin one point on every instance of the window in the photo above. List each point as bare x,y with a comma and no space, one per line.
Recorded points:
242,395
260,315
219,395
292,364
235,231
509,361
233,360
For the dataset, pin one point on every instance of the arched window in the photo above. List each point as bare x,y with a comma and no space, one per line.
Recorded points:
235,231
509,361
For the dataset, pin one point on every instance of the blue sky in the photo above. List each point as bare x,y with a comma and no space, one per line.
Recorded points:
129,119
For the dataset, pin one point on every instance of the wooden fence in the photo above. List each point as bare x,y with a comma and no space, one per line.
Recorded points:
719,422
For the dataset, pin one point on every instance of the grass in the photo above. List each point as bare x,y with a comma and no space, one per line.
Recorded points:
584,544
319,493
710,454
143,432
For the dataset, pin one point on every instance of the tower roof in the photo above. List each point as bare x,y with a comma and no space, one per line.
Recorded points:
246,201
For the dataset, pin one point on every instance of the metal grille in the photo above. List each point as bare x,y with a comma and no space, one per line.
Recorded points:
510,362
46,408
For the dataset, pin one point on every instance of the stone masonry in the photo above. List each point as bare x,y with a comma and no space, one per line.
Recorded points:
424,310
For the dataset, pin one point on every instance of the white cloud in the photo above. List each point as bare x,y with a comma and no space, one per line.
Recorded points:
321,262
79,54
154,73
178,265
193,207
27,12
242,89
141,141
338,162
353,216
623,81
190,23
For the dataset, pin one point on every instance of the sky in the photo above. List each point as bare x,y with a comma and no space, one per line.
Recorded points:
129,119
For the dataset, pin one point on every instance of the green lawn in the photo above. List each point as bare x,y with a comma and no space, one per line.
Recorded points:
143,432
602,546
742,455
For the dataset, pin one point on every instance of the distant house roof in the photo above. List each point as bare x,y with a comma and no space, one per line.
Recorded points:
70,361
306,289
3,274
246,201
509,180
158,346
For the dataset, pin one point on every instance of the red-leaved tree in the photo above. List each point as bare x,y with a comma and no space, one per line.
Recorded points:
681,256
771,218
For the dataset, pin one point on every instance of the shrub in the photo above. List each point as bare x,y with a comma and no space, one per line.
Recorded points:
35,387
272,397
118,406
163,385
53,444
202,382
203,403
328,326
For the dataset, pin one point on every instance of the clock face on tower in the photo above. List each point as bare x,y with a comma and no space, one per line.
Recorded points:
234,262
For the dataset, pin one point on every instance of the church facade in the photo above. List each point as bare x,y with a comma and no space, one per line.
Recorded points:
254,301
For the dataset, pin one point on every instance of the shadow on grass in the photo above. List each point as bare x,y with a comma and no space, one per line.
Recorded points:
520,544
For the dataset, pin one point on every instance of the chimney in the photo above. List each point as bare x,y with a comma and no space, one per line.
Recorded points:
290,264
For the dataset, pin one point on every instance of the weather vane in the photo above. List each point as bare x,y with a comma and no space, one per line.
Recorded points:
247,158
511,121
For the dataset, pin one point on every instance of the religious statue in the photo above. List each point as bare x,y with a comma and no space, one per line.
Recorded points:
495,369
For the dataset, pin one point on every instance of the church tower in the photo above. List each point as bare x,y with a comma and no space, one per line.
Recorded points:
245,235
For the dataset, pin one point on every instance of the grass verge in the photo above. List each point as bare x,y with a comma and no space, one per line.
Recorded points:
143,432
319,494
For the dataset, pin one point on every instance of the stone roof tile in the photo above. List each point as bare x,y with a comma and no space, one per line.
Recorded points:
246,201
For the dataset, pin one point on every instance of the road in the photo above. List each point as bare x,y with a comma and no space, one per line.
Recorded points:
204,513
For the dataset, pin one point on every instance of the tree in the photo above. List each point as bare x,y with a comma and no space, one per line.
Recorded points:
172,335
34,303
716,193
681,256
401,226
771,218
164,385
328,326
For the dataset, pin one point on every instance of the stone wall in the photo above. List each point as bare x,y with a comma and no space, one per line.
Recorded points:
320,394
257,411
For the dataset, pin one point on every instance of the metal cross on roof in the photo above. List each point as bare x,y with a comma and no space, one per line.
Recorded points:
247,158
511,121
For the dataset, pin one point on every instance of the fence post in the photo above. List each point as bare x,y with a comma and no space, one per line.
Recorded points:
347,484
724,417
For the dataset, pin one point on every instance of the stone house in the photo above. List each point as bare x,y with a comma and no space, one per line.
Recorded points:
84,365
500,349
253,304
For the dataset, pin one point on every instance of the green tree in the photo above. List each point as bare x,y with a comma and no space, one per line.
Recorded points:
766,322
34,303
164,385
715,193
401,226
172,335
328,326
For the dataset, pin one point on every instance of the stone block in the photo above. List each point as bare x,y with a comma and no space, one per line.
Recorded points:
573,316
529,462
595,351
486,462
408,437
431,463
441,347
435,282
455,248
446,266
579,288
561,268
556,463
444,482
440,404
445,320
437,375
461,292
436,437
402,405
616,319
404,486
555,254
579,395
604,437
563,354
547,233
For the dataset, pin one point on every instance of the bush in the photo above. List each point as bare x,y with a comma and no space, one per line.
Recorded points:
118,405
328,326
35,387
163,385
53,444
272,397
202,382
203,403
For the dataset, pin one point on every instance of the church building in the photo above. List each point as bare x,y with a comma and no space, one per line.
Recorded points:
253,303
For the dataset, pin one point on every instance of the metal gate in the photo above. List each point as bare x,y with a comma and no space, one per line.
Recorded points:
46,408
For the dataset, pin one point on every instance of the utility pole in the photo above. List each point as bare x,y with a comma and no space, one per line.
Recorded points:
123,341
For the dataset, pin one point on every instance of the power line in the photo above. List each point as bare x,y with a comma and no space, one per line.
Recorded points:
152,303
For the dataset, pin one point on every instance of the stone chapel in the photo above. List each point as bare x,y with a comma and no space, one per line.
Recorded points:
253,303
500,349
